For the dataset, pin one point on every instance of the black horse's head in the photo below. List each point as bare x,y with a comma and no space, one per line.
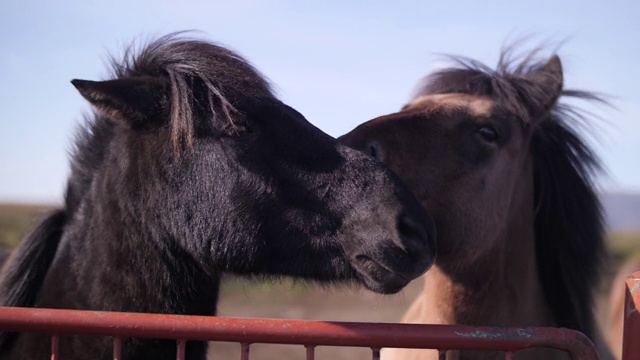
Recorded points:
191,146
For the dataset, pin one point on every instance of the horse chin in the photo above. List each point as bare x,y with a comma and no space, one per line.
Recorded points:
378,277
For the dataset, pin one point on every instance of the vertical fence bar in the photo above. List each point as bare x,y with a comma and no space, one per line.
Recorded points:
55,347
311,354
442,354
117,348
244,351
631,334
181,349
375,353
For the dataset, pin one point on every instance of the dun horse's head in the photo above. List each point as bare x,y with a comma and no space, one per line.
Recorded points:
465,151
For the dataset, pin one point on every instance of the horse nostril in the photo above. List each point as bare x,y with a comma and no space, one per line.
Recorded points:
414,237
374,149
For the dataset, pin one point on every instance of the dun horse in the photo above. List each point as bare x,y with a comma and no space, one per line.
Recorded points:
499,164
190,167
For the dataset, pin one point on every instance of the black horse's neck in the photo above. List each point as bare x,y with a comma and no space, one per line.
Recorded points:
107,260
121,266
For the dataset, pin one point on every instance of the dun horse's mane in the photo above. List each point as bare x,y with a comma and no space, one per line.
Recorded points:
569,226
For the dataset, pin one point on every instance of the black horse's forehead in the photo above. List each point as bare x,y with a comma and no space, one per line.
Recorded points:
476,106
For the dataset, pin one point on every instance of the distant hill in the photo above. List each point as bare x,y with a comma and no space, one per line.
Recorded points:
622,211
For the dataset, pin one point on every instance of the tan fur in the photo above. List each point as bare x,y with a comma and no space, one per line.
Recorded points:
615,320
475,105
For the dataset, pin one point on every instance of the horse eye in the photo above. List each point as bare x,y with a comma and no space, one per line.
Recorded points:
488,133
374,149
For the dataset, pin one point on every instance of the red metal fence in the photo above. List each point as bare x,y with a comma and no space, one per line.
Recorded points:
307,333
313,333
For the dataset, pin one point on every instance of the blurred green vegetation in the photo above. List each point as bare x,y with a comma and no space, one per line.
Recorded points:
16,220
624,245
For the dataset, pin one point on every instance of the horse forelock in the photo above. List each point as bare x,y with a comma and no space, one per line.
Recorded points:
196,70
201,76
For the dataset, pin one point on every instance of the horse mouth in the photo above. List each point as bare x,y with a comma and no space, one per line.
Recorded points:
377,277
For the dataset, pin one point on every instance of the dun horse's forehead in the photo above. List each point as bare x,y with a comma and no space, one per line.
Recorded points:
476,105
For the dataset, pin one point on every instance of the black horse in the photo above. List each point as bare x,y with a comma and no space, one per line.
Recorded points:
189,168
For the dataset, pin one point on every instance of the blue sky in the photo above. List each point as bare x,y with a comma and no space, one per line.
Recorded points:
339,63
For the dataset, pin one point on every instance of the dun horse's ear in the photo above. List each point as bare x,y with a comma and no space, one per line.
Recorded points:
136,100
548,81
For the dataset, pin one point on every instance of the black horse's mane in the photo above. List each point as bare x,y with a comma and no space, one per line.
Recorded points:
569,228
226,84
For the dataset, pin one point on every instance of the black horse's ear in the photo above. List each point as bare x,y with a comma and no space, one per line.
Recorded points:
135,100
548,82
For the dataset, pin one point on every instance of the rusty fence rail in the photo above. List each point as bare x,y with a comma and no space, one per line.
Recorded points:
307,333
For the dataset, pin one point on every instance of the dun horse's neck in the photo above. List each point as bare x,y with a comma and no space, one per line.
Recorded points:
500,288
503,290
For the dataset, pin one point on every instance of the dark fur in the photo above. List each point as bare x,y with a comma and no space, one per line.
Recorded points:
189,168
569,223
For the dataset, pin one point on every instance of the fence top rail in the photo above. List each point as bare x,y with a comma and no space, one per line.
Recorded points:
303,332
